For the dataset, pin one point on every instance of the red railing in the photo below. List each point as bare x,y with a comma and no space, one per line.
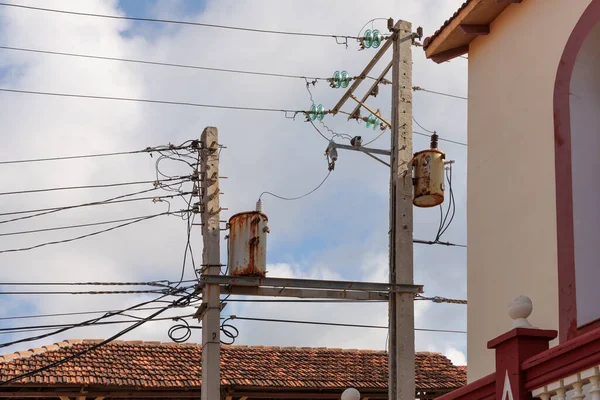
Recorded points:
526,368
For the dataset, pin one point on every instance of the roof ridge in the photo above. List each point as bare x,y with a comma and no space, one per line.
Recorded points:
303,348
39,350
70,342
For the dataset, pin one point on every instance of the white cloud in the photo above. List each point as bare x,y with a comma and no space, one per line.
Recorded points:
456,356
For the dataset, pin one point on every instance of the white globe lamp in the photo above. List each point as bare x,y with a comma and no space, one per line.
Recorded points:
351,394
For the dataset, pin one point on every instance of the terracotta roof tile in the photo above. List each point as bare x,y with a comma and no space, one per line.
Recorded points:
170,366
429,39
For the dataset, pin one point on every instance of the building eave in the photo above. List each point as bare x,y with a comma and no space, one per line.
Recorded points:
471,20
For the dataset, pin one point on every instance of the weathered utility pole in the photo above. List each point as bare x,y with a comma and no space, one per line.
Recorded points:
401,305
211,264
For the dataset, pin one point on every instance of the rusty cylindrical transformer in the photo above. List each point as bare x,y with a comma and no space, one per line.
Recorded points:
428,177
248,244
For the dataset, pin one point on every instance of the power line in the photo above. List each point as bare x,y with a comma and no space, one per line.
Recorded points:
441,139
95,346
83,236
187,66
421,126
83,323
118,153
202,68
107,185
68,314
59,228
431,242
289,321
298,197
160,283
435,299
84,205
432,132
175,103
34,328
105,292
168,21
319,301
418,88
115,200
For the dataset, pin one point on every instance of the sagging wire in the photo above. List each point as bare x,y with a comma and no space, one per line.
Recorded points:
76,226
190,23
334,134
421,126
376,137
301,196
418,88
323,323
113,200
55,242
177,303
95,320
149,150
372,25
450,211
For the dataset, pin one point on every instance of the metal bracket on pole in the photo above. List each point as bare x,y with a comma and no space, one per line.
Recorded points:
363,149
355,113
367,151
384,47
369,109
251,281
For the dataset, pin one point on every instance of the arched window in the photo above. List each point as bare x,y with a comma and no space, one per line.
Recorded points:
577,153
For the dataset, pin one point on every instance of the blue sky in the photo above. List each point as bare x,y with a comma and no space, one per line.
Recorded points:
338,232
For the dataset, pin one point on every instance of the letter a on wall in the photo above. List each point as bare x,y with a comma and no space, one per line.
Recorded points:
507,393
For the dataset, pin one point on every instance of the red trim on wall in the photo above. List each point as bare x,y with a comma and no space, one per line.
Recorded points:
482,389
567,300
563,360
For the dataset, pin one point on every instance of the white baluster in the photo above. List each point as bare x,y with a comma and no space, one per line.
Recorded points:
578,388
545,396
595,389
561,394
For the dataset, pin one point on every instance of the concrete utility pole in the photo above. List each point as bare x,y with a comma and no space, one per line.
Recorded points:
211,264
401,305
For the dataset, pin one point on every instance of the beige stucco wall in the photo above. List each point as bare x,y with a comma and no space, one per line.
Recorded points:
511,192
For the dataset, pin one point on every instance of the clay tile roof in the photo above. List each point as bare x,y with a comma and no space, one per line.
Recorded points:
454,36
154,365
429,39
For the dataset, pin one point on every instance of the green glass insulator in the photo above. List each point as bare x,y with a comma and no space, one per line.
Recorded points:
345,79
376,123
313,112
320,112
337,79
368,40
377,39
369,121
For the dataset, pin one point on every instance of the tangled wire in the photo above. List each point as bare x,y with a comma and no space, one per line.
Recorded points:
228,331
